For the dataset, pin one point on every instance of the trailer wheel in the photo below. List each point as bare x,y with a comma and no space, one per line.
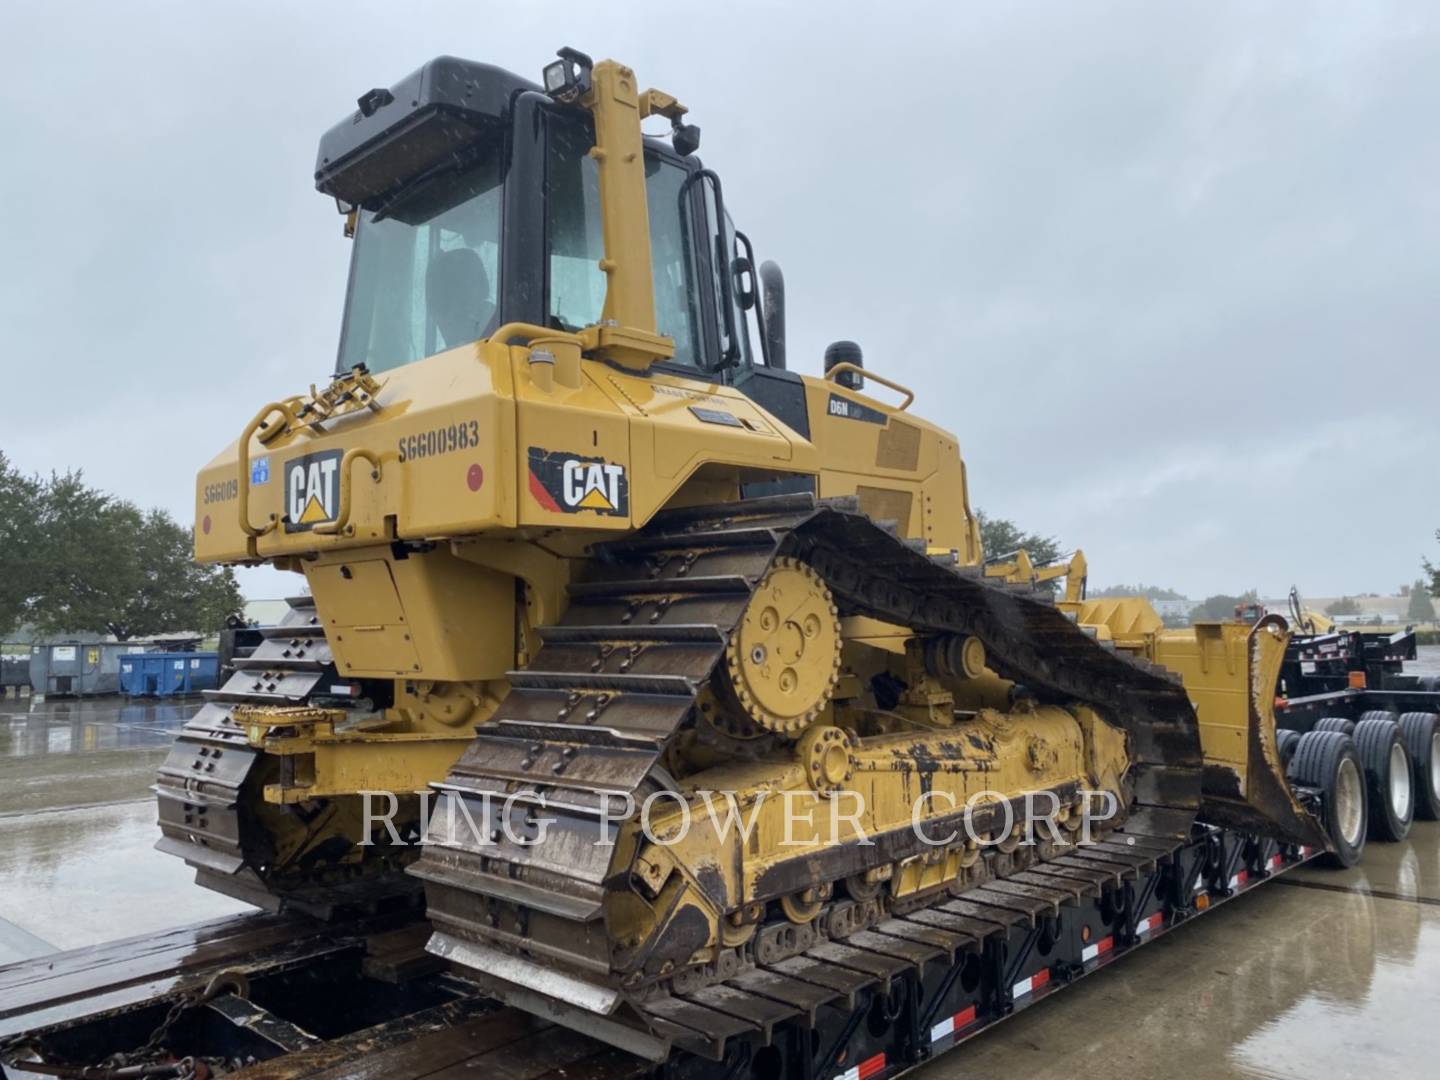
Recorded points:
1286,741
1377,714
1389,779
1335,723
1421,732
1327,760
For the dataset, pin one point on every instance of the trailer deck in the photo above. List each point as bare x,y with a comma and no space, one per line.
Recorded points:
285,996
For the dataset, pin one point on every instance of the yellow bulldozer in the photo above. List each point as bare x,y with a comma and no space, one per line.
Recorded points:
635,656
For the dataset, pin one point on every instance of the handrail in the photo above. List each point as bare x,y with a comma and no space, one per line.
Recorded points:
342,516
242,501
846,365
502,334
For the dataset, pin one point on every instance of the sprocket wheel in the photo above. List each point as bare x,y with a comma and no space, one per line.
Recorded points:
783,659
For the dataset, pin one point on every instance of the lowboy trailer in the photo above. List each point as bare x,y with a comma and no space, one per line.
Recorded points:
280,995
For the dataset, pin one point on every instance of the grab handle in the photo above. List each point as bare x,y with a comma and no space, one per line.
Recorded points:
868,374
242,501
342,517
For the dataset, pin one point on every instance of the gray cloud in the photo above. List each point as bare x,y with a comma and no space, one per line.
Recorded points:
1169,271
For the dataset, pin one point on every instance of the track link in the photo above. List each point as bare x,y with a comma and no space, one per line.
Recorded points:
209,788
585,725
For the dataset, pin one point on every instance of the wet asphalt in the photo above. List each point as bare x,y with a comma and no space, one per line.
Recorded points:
77,825
1324,973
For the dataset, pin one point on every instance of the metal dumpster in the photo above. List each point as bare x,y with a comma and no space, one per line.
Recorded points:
141,674
14,666
168,674
77,668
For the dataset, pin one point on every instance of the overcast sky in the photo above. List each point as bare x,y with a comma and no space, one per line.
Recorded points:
1168,269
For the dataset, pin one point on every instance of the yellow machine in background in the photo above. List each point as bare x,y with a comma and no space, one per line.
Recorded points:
576,550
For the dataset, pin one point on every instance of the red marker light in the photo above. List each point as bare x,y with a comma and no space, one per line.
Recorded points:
475,477
205,525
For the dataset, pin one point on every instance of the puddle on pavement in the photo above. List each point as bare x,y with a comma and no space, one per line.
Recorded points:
32,727
71,878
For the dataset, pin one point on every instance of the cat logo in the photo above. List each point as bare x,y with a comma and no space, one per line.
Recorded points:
312,490
565,483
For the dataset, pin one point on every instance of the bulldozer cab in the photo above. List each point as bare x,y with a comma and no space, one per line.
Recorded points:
475,201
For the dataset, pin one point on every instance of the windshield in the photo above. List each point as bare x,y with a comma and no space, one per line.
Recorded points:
425,270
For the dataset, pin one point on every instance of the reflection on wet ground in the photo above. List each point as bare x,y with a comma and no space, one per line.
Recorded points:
76,877
30,727
77,825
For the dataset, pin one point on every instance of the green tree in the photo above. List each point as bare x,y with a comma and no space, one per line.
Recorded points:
1000,537
106,566
1222,606
19,543
84,558
1346,605
1433,572
1149,592
170,590
1420,608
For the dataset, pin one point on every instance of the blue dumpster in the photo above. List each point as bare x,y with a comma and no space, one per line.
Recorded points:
168,674
141,674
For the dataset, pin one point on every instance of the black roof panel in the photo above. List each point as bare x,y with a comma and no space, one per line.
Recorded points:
398,133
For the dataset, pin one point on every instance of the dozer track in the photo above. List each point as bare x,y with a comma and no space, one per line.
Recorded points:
209,789
586,723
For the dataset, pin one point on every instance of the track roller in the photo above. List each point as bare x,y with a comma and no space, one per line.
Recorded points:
1421,732
1327,760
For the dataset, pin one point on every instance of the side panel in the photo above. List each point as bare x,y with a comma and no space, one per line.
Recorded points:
572,453
429,615
681,428
444,439
902,468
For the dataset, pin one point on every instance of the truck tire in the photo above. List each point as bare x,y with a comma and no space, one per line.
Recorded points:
1335,723
1286,741
1377,714
1327,760
1421,732
1389,779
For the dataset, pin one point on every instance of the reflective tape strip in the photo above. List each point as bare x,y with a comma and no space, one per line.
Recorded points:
1144,926
1240,879
1030,985
952,1024
1273,863
871,1066
1305,850
1090,952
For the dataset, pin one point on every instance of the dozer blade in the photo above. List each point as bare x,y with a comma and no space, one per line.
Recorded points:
1259,799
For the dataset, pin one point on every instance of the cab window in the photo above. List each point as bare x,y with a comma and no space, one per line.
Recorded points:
424,272
575,241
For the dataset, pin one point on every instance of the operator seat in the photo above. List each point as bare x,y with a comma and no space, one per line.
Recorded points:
457,292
